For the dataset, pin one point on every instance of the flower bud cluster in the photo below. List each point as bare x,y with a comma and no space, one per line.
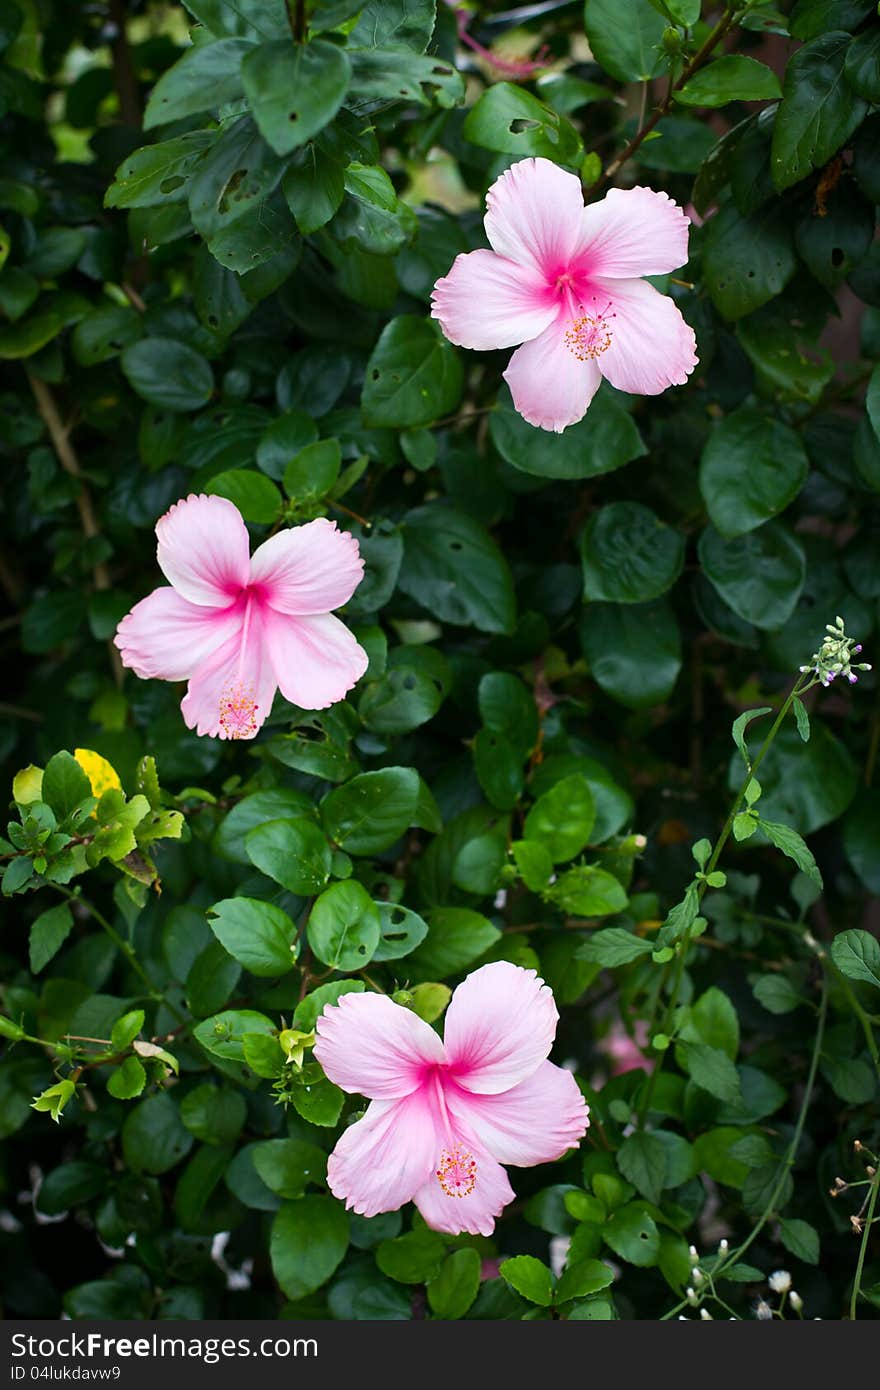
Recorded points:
834,657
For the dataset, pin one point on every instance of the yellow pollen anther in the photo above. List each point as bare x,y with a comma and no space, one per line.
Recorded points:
589,336
238,713
457,1173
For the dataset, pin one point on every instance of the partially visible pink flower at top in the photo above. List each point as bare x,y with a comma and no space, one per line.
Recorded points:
444,1116
564,280
626,1053
238,627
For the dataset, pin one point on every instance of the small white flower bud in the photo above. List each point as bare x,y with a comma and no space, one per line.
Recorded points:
697,1276
705,1315
796,1301
763,1311
692,1252
780,1281
690,1295
723,1247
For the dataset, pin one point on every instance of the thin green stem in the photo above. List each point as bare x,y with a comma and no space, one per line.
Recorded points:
857,1009
863,1248
791,1152
803,683
121,945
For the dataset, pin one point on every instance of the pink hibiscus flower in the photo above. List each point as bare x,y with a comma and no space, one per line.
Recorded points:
563,280
238,627
444,1115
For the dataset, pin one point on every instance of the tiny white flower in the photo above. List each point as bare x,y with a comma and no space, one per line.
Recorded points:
763,1311
780,1281
691,1296
705,1315
796,1301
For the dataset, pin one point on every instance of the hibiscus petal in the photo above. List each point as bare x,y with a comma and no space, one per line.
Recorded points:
166,637
499,1027
633,231
534,216
489,302
230,694
534,1122
651,345
204,550
551,387
369,1045
308,569
472,1206
316,660
380,1162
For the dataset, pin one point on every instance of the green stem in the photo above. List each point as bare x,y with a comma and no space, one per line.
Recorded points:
121,945
803,683
863,1248
857,1009
788,1162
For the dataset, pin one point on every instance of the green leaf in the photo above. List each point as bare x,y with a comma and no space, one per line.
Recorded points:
312,472
732,77
455,1286
257,934
413,1258
562,819
104,333
857,955
48,934
294,853
158,174
204,79
633,651
278,803
289,1166
153,1136
168,373
862,65
313,186
710,1068
642,1160
371,811
752,467
747,259
760,575
223,1034
738,730
712,1019
819,111
294,89
606,439
533,862
308,1241
777,994
625,38
126,1029
629,555
65,785
613,946
387,75
812,17
861,835
255,496
800,1238
456,938
344,926
309,1010
128,1080
212,1115
587,891
633,1235
454,569
413,376
509,119
792,845
401,931
582,1279
528,1277
802,718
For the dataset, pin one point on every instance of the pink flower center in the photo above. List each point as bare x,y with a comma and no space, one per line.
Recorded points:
457,1172
590,334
